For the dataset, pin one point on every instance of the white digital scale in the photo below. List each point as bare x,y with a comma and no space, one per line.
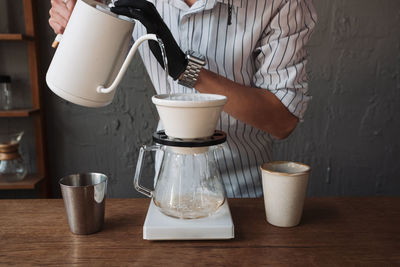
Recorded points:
159,226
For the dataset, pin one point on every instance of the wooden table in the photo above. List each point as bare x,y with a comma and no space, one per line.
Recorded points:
333,231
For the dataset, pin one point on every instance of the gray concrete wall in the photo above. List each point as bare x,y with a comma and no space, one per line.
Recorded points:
350,136
351,132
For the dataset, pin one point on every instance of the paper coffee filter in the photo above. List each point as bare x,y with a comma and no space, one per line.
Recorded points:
190,100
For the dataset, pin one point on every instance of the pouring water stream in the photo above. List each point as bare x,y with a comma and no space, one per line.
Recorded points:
165,61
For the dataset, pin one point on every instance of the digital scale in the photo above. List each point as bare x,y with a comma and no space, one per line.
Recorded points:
159,226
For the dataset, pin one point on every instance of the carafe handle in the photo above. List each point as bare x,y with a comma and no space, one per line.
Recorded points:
138,173
125,65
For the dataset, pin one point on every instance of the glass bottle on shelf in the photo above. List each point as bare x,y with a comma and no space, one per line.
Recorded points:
12,167
5,92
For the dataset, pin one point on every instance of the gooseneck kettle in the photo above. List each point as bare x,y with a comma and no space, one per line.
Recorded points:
92,56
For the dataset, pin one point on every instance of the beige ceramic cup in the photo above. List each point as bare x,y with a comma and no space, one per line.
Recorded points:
284,185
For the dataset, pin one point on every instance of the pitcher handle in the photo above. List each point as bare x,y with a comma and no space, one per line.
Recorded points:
125,65
138,173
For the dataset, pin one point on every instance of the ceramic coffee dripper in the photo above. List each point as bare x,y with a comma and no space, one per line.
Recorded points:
91,60
189,116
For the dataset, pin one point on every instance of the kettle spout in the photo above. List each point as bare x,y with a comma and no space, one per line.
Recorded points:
125,65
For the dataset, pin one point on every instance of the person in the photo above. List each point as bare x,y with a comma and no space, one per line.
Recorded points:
255,55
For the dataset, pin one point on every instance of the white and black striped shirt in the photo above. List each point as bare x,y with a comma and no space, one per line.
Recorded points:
263,47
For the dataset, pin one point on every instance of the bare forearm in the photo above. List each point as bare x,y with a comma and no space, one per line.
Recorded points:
254,106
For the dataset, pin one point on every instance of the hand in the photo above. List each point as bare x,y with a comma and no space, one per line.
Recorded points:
147,14
59,14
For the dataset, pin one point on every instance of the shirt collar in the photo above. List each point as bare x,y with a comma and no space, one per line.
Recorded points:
202,4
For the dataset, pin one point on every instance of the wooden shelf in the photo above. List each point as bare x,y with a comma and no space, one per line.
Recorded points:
14,37
29,182
18,112
29,37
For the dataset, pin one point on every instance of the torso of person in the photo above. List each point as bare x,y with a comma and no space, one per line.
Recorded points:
240,52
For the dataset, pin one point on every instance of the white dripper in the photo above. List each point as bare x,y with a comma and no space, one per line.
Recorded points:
189,116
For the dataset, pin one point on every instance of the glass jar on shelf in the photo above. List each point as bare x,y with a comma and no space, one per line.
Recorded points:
12,167
5,92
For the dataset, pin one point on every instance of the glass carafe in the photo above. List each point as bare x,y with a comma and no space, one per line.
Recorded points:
12,167
188,184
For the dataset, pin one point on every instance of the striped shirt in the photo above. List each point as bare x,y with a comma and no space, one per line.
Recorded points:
263,47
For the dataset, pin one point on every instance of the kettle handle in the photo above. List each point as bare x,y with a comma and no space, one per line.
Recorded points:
125,65
138,173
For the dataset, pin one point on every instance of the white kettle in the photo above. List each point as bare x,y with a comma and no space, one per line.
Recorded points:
91,58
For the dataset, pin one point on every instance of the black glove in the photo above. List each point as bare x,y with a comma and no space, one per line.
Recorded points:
147,14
